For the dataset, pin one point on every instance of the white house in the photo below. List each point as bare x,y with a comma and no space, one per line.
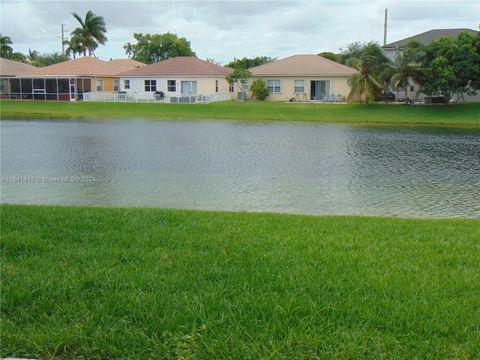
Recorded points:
178,79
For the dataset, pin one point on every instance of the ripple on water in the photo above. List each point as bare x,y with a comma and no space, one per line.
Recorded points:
278,166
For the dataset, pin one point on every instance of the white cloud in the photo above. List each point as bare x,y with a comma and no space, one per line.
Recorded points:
227,29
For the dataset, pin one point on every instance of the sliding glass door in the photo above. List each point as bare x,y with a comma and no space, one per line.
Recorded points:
189,88
319,89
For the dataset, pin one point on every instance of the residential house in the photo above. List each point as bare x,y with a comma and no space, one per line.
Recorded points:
178,79
10,69
70,79
393,49
305,78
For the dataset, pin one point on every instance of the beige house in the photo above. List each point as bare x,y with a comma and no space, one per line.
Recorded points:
67,80
305,78
178,79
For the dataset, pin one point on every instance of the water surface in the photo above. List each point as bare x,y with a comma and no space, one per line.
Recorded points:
226,165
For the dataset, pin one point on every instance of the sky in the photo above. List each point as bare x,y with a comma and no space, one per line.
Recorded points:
224,30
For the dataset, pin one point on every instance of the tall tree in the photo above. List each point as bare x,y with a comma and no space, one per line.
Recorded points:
18,56
238,76
247,63
74,47
452,66
5,49
364,84
152,48
90,33
352,51
406,67
37,59
330,56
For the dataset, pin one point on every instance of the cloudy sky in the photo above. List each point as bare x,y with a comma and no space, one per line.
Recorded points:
227,29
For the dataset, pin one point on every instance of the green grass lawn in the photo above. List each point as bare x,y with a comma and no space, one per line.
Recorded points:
460,114
150,284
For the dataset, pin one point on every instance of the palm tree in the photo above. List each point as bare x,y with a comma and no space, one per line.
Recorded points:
74,47
90,33
32,55
364,84
5,48
406,67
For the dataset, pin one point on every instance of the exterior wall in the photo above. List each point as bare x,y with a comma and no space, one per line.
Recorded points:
390,53
205,86
414,93
107,83
338,86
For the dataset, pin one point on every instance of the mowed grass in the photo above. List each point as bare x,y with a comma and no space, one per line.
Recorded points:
459,114
96,283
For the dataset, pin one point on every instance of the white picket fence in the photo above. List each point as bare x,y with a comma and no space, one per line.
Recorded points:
105,96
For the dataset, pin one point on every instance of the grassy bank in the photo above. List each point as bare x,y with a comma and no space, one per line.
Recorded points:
150,284
460,114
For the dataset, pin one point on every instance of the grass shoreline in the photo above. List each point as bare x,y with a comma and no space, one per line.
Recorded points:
153,283
459,115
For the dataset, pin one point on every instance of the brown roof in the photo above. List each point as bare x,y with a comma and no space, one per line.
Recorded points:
303,65
86,66
180,66
13,68
427,37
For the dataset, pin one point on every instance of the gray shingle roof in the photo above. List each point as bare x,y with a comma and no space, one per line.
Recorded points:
428,36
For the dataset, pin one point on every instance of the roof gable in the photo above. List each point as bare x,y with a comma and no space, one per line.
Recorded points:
303,65
180,66
427,37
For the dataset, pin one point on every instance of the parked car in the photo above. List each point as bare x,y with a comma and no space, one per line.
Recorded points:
387,96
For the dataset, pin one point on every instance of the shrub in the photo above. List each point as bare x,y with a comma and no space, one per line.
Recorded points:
259,89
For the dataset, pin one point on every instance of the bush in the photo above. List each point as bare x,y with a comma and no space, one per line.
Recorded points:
259,89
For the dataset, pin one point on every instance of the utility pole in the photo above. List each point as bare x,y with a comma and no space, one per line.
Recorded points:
63,39
385,28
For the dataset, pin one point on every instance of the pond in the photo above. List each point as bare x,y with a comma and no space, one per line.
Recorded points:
292,167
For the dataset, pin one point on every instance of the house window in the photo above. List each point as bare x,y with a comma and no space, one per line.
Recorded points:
172,85
99,85
244,85
299,86
216,86
189,88
150,85
126,84
412,87
116,85
231,87
273,86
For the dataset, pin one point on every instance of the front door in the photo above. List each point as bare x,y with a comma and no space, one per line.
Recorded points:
319,89
73,90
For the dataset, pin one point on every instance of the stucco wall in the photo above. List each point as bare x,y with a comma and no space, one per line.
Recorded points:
338,86
205,86
107,83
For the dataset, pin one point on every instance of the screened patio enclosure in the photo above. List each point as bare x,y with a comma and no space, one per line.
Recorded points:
45,88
